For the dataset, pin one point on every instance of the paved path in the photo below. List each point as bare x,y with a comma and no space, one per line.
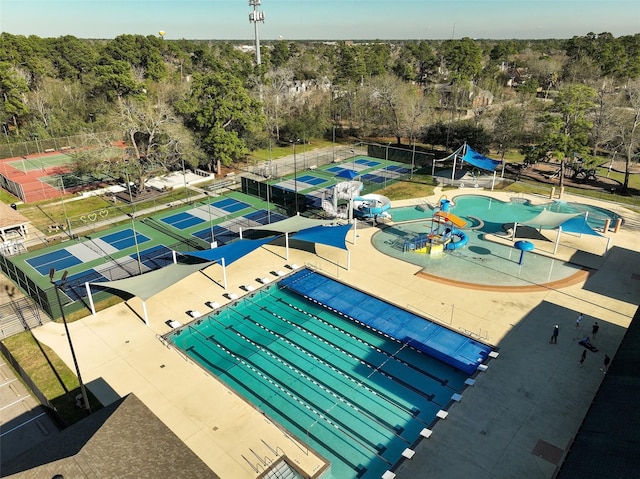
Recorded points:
517,421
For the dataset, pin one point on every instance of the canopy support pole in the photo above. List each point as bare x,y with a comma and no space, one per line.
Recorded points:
286,243
453,172
493,182
144,311
555,247
224,274
606,249
515,226
175,257
240,232
93,308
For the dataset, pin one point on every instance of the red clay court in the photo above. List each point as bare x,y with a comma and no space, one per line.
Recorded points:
35,177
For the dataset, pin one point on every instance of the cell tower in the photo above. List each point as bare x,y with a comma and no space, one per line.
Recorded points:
255,17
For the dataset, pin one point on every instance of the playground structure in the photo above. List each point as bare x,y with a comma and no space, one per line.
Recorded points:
445,233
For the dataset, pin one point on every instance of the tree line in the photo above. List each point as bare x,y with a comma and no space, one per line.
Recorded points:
205,103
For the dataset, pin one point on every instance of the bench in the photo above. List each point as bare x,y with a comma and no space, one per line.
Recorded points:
65,148
49,150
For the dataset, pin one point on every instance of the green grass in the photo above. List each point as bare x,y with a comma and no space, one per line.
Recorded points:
50,374
280,151
419,186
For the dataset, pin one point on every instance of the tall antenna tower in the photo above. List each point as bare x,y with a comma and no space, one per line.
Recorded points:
255,17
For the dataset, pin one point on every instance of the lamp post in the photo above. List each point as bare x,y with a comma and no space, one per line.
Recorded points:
57,285
353,160
210,217
135,240
295,172
184,177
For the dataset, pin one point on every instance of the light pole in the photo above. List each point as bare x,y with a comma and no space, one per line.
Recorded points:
210,217
135,240
353,160
184,177
295,172
57,285
64,209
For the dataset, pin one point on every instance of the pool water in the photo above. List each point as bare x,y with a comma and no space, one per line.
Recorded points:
357,397
481,261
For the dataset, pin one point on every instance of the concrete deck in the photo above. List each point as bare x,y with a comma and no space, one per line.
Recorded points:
518,419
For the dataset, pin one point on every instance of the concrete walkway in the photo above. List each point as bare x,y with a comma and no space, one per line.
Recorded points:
517,421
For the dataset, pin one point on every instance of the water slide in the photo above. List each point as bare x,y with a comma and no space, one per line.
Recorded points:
369,206
451,218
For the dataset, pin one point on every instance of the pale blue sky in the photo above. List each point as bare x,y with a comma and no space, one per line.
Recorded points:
322,19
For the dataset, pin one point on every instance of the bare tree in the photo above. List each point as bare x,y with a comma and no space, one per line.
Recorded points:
629,128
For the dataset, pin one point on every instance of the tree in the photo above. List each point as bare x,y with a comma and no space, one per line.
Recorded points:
12,90
463,59
567,124
222,114
507,128
628,126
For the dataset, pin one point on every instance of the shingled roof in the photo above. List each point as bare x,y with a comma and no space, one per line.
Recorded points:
123,440
10,217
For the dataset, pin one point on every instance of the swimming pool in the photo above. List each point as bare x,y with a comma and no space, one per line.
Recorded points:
483,262
358,397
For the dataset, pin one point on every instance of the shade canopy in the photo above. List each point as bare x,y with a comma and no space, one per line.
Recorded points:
349,174
146,285
579,225
230,252
291,225
328,235
480,161
549,219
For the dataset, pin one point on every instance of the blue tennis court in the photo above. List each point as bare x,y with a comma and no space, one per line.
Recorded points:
60,260
369,163
264,217
155,257
312,180
373,178
398,169
231,205
75,287
124,239
182,220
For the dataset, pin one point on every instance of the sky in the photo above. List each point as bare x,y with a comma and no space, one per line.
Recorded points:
321,19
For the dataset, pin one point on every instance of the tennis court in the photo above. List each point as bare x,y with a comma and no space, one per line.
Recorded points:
230,205
312,180
31,163
182,221
228,231
60,260
124,239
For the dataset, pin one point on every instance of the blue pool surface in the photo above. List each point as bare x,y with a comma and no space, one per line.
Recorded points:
357,395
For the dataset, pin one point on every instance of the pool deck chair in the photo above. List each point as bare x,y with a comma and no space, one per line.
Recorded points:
212,304
194,313
173,324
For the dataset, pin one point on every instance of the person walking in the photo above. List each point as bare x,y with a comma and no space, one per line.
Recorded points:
554,335
594,330
579,321
583,356
607,360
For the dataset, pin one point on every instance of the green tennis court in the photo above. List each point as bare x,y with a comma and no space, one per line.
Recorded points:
41,163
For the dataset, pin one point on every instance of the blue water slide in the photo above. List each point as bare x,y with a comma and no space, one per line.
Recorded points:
463,239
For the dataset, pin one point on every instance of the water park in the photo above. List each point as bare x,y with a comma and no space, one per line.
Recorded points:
346,369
